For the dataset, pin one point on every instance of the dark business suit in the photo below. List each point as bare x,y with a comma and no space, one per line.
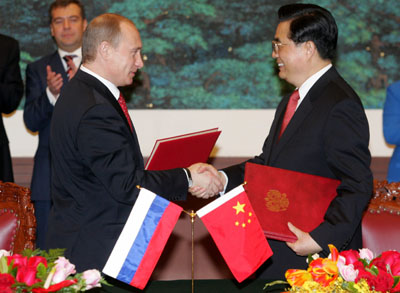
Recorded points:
327,136
11,91
96,165
37,117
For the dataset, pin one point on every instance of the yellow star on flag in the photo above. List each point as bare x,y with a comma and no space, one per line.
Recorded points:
239,207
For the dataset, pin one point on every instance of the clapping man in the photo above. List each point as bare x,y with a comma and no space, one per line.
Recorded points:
44,80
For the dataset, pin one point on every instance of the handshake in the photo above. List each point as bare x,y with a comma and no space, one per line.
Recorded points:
207,181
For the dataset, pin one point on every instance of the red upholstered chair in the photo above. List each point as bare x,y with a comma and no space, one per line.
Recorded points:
381,222
17,219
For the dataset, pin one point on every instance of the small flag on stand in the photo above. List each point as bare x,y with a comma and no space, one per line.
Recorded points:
233,225
142,239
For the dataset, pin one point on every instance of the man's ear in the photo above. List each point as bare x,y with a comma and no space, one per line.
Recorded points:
310,48
104,50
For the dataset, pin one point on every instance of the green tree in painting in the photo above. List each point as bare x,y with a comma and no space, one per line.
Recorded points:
369,43
216,54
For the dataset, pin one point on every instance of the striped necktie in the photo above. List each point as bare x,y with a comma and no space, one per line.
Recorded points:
67,59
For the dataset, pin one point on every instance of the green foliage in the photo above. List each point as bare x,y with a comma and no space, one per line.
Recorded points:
217,53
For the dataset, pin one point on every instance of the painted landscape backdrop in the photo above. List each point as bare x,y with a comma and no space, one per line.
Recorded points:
216,54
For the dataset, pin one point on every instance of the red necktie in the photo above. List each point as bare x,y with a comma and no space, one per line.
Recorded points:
290,109
68,58
122,103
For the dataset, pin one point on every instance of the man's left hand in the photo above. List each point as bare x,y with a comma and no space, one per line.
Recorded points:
305,244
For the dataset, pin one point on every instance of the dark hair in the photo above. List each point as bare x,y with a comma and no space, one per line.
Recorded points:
65,3
310,22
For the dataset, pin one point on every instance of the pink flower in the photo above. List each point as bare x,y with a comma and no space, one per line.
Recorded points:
366,254
92,279
348,272
4,253
63,269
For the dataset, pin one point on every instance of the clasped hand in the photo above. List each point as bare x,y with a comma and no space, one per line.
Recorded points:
207,182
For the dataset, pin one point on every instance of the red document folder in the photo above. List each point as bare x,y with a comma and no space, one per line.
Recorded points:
182,150
280,196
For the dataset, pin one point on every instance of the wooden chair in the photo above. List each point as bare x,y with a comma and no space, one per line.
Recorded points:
17,219
381,222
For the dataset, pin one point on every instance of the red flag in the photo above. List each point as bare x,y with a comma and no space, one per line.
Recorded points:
233,225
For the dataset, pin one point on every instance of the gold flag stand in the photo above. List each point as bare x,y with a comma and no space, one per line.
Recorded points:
192,216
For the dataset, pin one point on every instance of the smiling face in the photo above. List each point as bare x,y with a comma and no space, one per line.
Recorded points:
290,57
67,27
125,59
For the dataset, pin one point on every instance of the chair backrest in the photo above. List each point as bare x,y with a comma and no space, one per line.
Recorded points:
17,218
381,222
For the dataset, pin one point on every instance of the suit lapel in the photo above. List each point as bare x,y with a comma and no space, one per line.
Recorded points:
299,116
57,66
271,142
104,91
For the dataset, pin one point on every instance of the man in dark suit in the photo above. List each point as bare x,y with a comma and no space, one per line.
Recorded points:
96,159
11,91
328,135
44,81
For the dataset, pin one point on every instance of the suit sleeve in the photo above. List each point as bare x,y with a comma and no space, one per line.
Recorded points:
391,115
38,110
106,145
11,85
346,139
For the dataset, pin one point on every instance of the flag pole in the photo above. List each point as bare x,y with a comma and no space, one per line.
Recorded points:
192,216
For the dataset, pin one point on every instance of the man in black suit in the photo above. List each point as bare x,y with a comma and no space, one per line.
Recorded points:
96,159
328,136
44,80
11,91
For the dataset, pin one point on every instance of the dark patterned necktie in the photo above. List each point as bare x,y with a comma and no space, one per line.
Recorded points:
122,103
68,58
290,109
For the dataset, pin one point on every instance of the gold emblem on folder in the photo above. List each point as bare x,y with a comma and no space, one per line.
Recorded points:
275,201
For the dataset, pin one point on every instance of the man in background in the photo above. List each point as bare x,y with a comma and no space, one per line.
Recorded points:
44,80
11,91
328,135
96,159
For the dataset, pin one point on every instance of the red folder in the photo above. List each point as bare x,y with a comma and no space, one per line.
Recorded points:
279,196
182,150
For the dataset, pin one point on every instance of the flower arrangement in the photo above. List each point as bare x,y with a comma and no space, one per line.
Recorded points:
348,271
40,271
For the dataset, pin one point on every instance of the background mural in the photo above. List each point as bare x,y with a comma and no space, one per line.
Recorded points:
216,54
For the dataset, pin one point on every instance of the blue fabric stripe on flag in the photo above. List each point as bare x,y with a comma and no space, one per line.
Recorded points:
142,240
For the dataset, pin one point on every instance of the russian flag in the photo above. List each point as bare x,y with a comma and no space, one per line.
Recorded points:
142,239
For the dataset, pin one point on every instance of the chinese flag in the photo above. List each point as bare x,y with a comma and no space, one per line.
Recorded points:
233,225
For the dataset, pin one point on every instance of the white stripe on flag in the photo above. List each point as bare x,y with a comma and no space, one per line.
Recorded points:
129,233
219,201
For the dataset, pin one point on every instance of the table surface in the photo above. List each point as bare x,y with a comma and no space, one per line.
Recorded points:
200,286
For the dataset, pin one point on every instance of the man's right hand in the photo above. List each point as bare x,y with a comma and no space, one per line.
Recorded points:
206,181
54,81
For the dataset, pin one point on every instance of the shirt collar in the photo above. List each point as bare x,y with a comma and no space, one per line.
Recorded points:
77,60
306,86
113,89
